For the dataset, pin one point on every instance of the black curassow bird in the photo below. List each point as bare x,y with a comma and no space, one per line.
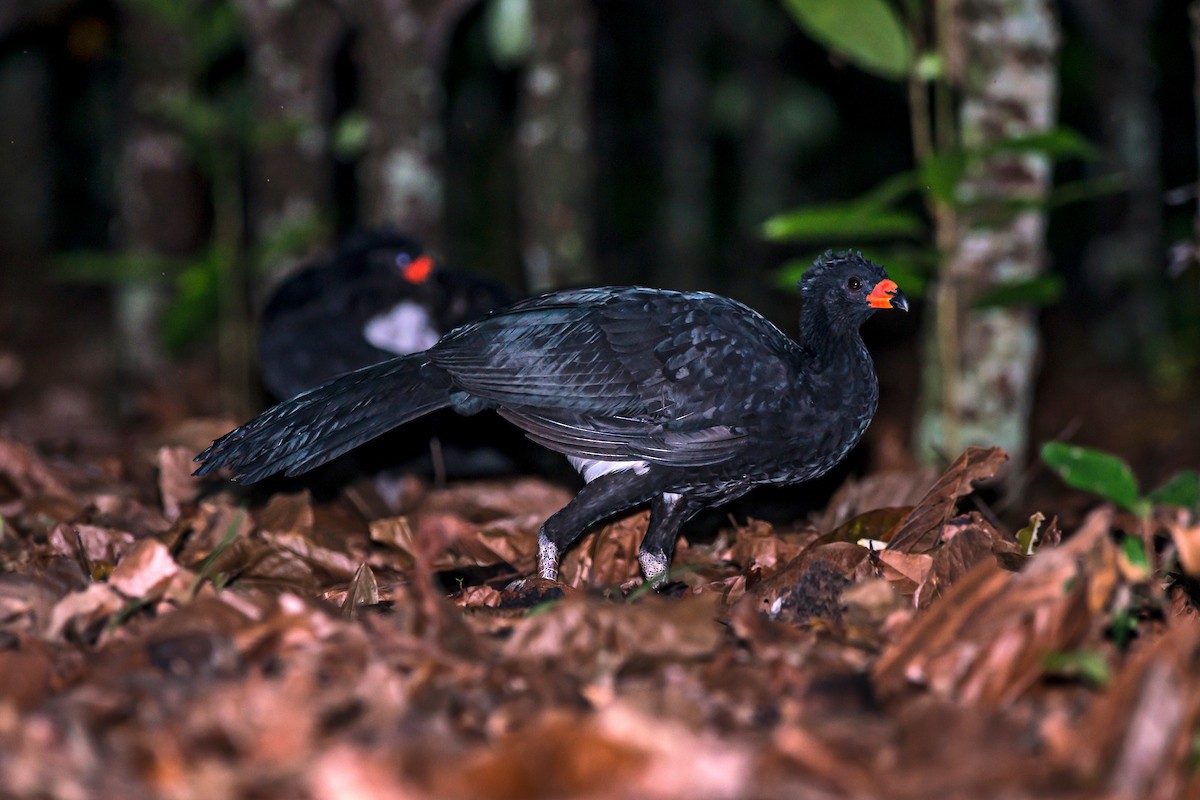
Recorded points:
681,399
379,295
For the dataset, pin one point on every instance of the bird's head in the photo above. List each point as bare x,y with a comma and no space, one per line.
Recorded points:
386,256
848,288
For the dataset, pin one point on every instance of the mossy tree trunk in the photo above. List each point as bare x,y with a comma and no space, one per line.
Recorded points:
554,154
401,52
160,194
981,363
290,48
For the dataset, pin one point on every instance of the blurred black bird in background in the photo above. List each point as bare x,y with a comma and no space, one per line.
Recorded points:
683,400
377,297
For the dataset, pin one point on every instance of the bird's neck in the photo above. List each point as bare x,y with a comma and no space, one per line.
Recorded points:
838,371
830,342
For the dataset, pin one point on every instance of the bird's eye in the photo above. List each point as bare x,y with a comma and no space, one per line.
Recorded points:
854,284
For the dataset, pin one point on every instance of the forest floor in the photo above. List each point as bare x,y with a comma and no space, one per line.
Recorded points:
170,637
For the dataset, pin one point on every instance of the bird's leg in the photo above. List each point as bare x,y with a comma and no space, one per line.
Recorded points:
668,513
598,499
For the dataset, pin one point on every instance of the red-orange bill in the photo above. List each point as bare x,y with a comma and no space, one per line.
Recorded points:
881,295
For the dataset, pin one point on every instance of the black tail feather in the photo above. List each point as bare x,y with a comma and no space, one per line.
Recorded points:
321,424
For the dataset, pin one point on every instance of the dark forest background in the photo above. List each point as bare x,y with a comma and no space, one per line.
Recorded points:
163,164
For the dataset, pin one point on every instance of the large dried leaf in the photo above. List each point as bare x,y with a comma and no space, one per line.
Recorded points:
481,501
147,566
759,547
1187,544
37,487
921,530
26,676
1140,736
894,489
608,556
986,641
177,487
338,564
579,630
287,513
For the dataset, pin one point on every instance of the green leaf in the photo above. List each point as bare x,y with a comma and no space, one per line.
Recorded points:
941,173
1055,143
890,191
1042,290
837,221
1090,665
97,266
1183,489
869,216
1086,189
351,134
1135,552
194,309
868,33
1096,472
930,66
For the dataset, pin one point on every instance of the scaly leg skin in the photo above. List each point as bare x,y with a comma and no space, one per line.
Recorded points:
656,567
547,557
668,513
602,497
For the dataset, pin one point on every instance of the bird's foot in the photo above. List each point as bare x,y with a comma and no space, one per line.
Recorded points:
547,558
655,566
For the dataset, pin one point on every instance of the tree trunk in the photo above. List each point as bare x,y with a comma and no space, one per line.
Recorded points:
290,53
685,244
554,154
158,193
25,176
401,48
982,374
1123,261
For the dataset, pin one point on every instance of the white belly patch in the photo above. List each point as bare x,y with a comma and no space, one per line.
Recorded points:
402,329
592,468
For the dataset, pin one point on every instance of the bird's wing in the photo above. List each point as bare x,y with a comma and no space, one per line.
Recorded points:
675,378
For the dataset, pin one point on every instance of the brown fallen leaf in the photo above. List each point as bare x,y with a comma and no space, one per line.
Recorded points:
338,564
908,572
287,513
1139,738
579,628
177,488
203,532
757,545
81,613
919,532
110,510
1187,543
876,525
26,675
482,501
147,566
363,591
102,547
29,475
607,556
971,543
891,489
986,641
